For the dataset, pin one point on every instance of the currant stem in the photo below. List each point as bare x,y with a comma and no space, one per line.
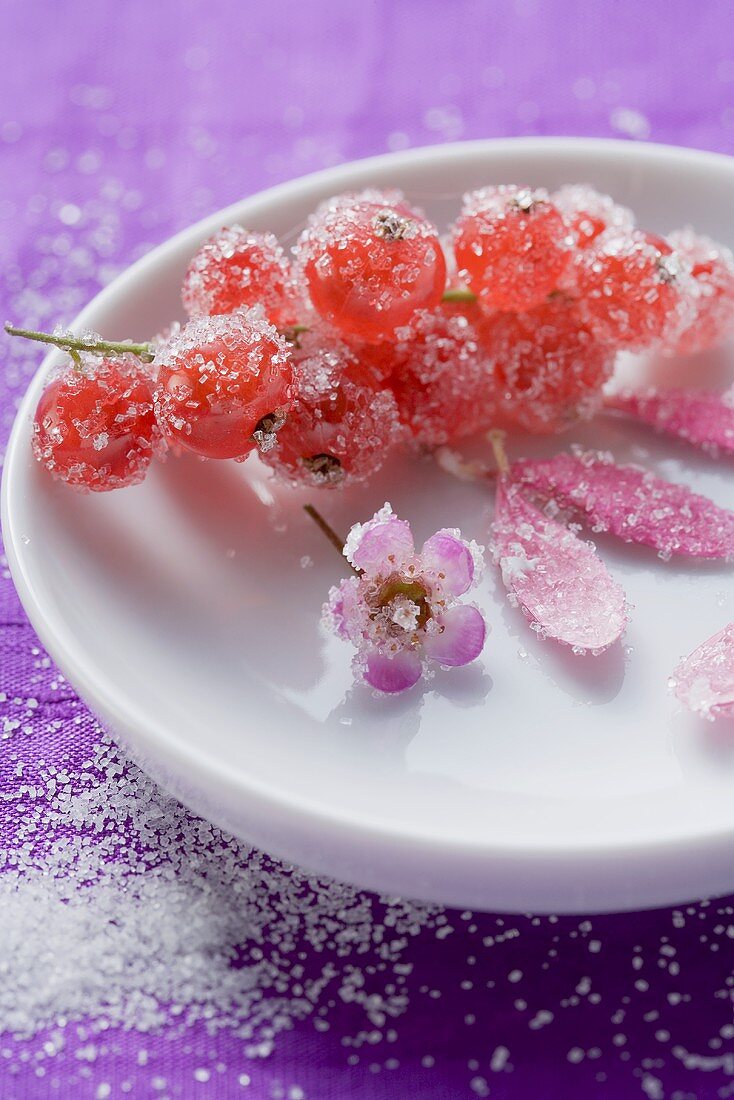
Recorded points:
463,469
459,294
74,344
327,530
292,333
497,439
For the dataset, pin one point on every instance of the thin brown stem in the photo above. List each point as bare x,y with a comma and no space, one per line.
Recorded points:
327,530
497,439
463,469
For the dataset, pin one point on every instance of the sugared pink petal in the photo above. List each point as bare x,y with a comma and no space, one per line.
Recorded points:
381,544
700,417
341,610
704,681
448,556
463,633
393,674
632,504
559,582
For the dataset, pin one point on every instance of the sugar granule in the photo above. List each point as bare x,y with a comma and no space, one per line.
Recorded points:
137,906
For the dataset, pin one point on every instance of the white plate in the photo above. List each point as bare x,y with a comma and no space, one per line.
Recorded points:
181,612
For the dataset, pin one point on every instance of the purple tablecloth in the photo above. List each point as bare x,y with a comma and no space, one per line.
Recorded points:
142,953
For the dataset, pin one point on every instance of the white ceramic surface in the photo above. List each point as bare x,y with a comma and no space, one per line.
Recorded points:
186,611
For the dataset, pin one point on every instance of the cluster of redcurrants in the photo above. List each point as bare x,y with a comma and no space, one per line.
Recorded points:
376,333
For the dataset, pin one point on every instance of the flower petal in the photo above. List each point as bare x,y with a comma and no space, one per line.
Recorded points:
341,612
447,553
462,636
393,674
704,681
381,544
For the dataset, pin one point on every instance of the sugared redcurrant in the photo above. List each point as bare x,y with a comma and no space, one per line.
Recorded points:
237,268
342,422
94,426
712,269
370,265
511,245
589,212
634,290
442,380
223,384
549,368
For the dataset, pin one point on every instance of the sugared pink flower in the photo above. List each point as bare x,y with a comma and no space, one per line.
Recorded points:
402,608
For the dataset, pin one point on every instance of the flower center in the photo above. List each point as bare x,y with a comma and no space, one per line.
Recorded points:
405,601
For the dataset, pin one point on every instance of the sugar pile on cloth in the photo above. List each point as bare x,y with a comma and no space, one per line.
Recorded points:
134,933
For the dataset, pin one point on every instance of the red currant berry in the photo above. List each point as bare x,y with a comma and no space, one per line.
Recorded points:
635,291
341,423
236,268
223,384
442,381
589,212
511,245
549,368
94,426
369,265
712,269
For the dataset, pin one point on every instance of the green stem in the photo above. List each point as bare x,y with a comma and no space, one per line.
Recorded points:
74,344
327,530
459,294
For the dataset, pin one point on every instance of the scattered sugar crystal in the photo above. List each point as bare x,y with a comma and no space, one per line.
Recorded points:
78,941
628,121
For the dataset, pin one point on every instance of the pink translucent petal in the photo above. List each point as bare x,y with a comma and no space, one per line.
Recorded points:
462,637
381,544
393,674
445,553
559,582
700,417
341,611
704,681
633,504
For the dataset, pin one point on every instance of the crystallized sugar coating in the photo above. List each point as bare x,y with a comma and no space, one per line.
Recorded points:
223,383
512,246
589,212
236,268
402,608
374,196
634,291
704,681
712,269
141,916
549,367
369,265
632,504
700,417
341,423
94,427
559,582
442,378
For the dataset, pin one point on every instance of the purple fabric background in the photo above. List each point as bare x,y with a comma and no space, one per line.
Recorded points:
122,123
